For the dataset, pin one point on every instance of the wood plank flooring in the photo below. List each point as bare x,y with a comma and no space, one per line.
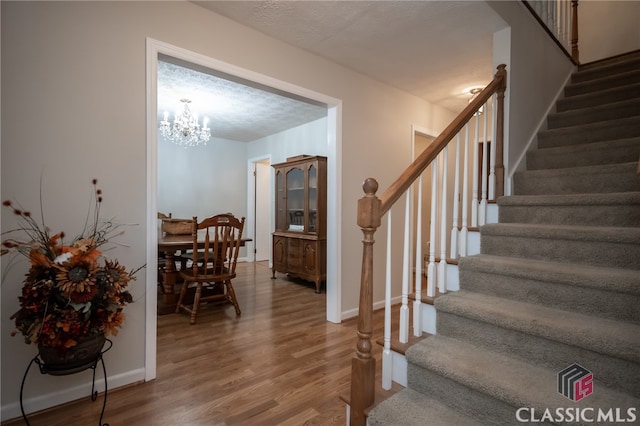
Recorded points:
279,363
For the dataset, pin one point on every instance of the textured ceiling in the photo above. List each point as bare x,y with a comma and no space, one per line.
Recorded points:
432,49
236,110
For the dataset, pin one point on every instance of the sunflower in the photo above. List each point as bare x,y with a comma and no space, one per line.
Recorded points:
76,276
116,275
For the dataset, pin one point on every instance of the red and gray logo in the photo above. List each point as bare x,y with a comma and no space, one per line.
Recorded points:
575,382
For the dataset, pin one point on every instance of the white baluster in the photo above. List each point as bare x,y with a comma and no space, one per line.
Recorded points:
492,155
387,357
474,176
483,202
464,231
456,202
442,266
431,269
404,309
417,309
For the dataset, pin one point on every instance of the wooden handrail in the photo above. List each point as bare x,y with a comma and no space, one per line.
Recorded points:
370,211
400,186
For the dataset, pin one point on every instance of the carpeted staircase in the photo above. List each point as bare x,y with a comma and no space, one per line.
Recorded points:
557,281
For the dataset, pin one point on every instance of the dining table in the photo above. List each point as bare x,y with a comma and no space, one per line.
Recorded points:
170,244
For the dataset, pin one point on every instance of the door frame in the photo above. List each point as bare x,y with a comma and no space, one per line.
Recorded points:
252,206
334,180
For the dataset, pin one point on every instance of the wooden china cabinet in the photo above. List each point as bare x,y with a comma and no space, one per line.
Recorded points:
299,246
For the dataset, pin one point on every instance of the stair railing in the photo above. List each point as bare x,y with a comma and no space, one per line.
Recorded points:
371,209
559,18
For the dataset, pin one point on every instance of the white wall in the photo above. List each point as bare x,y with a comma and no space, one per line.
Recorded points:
537,71
202,181
310,138
73,103
607,28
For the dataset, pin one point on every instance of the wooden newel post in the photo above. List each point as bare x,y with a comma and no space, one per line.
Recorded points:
363,365
499,167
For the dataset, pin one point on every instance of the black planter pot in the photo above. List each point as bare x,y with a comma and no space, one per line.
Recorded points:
74,359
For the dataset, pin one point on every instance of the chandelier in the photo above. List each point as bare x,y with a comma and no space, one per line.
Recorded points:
185,130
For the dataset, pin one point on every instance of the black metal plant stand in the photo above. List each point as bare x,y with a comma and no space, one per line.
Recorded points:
93,364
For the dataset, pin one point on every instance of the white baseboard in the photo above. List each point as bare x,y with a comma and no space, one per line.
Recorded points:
473,243
352,313
453,278
428,318
42,402
399,370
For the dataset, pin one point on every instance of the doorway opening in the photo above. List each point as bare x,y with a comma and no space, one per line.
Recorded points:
259,193
156,48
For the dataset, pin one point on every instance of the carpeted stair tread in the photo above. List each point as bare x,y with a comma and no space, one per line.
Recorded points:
626,281
594,71
605,112
604,178
505,379
628,127
605,292
591,154
615,80
630,91
607,209
584,234
607,337
409,407
588,245
606,199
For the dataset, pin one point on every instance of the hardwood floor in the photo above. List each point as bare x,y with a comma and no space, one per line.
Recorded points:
279,363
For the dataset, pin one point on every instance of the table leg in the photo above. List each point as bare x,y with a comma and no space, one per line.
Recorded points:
167,304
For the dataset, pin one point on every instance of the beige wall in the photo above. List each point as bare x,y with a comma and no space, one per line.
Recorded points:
607,28
73,103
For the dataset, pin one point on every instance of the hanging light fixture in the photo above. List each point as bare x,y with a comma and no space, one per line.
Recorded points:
474,93
185,130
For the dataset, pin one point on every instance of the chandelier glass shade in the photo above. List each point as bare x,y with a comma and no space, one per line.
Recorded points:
185,130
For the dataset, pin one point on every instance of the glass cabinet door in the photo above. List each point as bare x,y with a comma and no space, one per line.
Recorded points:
313,198
295,199
281,202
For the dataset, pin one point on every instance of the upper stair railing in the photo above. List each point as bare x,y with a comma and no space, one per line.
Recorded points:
560,19
476,183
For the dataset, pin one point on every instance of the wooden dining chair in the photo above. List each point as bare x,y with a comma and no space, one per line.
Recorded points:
217,240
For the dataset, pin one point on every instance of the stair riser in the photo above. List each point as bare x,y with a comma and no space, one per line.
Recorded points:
610,130
593,73
484,408
598,98
609,181
602,84
593,115
553,294
597,253
581,215
613,372
612,152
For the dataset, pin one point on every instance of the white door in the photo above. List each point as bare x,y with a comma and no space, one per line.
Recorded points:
262,237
